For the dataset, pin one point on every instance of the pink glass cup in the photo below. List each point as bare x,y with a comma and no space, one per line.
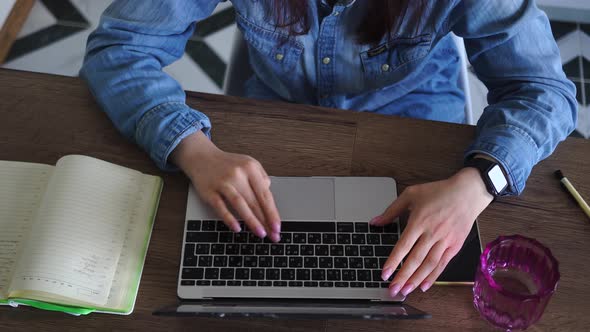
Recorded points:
514,282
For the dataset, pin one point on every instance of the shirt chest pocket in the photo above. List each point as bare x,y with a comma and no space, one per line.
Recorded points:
392,61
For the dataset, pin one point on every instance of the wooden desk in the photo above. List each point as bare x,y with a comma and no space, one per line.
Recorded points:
44,117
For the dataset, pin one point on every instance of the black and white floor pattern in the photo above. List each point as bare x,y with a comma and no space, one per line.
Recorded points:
54,37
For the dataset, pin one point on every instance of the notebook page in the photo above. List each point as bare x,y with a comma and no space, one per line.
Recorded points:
21,187
75,242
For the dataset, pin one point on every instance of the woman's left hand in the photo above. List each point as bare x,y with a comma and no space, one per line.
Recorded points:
441,216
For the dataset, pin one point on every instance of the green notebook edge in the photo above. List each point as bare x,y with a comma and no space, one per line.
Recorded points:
77,311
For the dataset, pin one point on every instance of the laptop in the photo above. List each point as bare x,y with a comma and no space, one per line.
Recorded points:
327,265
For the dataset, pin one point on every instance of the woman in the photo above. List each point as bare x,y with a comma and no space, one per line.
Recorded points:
382,56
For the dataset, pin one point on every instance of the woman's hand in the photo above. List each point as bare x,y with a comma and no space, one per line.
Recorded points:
441,216
239,180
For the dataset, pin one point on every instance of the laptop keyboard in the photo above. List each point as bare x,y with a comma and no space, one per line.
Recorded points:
333,254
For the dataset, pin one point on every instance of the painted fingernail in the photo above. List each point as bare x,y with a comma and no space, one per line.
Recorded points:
375,220
275,237
407,289
276,227
386,274
394,289
236,228
425,286
261,232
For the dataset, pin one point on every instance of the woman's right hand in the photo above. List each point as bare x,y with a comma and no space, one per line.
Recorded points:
221,178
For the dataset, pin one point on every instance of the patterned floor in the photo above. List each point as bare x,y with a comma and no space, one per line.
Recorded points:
55,26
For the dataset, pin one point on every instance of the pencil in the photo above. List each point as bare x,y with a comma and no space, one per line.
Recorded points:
575,194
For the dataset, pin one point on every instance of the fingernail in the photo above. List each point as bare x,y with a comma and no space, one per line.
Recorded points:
407,289
394,289
261,232
425,286
236,228
276,227
375,220
386,274
275,237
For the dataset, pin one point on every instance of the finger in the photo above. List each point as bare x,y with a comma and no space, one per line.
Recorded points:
223,212
444,261
261,186
430,263
396,208
411,264
252,202
239,203
401,249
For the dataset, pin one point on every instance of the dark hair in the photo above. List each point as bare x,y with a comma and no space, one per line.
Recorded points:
379,20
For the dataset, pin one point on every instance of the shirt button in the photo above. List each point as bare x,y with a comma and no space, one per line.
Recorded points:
279,56
385,67
326,60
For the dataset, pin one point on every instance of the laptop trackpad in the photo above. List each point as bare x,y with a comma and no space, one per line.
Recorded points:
304,198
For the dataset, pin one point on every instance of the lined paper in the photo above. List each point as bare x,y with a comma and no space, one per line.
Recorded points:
75,243
21,187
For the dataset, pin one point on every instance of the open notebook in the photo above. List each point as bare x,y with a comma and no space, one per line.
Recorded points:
73,237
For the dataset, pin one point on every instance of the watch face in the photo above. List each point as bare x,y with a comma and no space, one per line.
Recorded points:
497,178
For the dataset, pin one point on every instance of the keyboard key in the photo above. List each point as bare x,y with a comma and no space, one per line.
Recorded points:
344,227
192,273
383,251
226,237
303,274
218,283
279,283
235,261
358,238
371,263
253,238
249,283
322,250
382,261
377,275
310,262
292,250
280,261
265,261
391,228
299,238
187,282
220,261
361,227
241,237
343,238
366,250
202,249
348,275
318,274
189,261
262,249
373,239
341,284
205,261
234,283
310,284
328,238
356,262
189,249
372,284
264,283
242,274
375,229
357,284
351,250
341,262
288,274
203,283
363,275
217,249
285,237
226,273
389,238
208,225
295,261
306,250
246,249
384,285
212,273
201,236
257,274
333,275
250,261
326,262
221,227
273,274
193,225
316,226
326,284
314,238
232,249
277,249
295,283
336,250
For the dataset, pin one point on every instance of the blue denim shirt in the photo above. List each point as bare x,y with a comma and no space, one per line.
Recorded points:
411,73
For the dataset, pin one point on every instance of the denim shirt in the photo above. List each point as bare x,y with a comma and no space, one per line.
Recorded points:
413,72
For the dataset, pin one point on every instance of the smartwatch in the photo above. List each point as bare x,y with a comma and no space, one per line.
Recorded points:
491,173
